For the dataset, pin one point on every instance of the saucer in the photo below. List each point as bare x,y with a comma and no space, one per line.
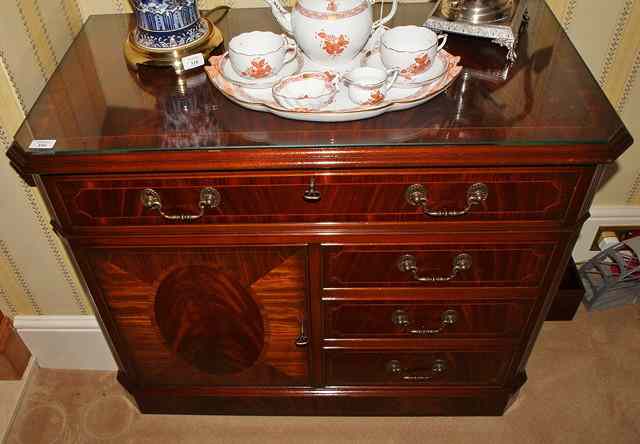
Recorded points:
229,74
372,59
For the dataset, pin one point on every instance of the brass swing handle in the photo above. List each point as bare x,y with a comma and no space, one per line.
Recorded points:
407,263
448,318
209,198
438,368
416,195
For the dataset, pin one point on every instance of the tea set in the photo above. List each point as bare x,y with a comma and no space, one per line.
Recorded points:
339,61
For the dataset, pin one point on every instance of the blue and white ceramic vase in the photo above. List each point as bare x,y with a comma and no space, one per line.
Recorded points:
167,24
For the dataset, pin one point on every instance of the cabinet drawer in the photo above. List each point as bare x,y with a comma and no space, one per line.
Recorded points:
357,367
381,319
438,265
397,196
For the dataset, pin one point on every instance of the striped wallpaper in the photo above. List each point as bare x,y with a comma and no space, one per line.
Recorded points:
36,276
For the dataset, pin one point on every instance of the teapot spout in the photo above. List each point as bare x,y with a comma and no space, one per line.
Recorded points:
281,14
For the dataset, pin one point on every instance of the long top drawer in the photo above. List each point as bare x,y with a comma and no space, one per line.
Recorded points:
365,196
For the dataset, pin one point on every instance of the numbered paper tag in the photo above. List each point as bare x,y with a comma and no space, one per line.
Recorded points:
193,61
42,145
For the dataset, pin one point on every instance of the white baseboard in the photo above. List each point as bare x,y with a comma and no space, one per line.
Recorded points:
603,217
69,342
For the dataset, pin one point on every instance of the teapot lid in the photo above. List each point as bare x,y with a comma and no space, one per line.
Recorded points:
330,6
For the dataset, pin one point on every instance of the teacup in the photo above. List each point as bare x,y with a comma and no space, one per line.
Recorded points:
258,54
411,49
306,91
369,86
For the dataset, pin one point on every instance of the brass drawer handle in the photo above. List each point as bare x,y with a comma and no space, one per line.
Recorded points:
448,318
302,340
209,198
311,194
407,263
416,195
438,368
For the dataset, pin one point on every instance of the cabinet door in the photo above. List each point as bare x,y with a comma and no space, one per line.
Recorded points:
207,316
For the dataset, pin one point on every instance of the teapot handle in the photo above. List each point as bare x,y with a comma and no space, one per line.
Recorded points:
281,14
385,19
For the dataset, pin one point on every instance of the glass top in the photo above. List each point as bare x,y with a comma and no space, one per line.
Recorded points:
94,104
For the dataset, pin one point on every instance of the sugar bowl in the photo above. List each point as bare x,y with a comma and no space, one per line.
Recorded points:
306,91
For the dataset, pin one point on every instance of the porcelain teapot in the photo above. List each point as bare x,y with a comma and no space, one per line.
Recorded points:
330,32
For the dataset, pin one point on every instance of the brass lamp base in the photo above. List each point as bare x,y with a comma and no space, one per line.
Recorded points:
137,55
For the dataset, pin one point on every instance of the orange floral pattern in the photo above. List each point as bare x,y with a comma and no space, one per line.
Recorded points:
376,97
259,68
332,15
422,63
329,75
332,44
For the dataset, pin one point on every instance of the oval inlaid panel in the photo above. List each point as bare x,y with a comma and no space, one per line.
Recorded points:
209,319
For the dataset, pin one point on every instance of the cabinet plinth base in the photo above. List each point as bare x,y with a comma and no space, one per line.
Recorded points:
352,401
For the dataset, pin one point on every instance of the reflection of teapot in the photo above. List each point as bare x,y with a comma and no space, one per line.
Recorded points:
330,32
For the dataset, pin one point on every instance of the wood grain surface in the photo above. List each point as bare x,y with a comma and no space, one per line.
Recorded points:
204,316
371,319
208,315
370,196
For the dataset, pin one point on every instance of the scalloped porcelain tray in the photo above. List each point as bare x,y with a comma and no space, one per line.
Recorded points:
342,109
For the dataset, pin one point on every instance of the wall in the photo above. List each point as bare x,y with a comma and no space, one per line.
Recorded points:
36,277
607,35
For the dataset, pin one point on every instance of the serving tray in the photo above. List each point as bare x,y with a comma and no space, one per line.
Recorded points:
342,109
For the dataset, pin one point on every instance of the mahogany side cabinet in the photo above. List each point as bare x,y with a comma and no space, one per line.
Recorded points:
241,263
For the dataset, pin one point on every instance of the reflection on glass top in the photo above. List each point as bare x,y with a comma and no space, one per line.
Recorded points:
94,104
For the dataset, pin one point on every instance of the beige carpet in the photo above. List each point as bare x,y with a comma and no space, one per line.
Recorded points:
584,387
11,392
